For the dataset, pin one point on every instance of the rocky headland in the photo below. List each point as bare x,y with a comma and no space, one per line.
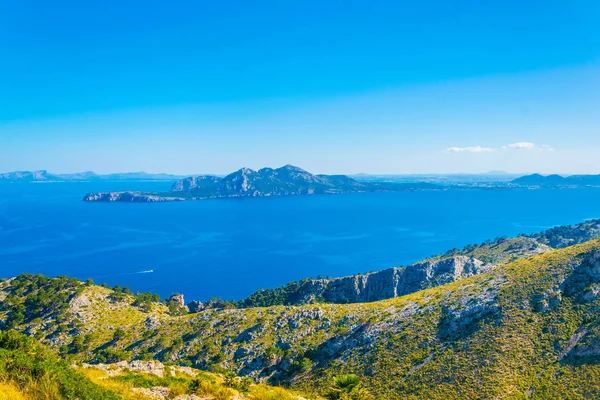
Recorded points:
285,181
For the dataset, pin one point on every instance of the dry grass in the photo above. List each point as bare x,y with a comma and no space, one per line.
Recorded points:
9,391
125,389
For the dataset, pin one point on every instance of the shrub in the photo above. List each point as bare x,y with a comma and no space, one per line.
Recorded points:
40,374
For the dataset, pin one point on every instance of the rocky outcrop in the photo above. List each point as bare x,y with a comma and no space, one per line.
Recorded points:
431,273
388,283
128,197
149,367
464,316
177,299
394,282
195,306
287,180
187,184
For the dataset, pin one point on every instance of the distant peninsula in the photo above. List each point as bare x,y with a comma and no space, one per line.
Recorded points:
285,181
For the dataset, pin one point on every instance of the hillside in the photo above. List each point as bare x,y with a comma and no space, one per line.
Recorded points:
29,371
525,329
285,181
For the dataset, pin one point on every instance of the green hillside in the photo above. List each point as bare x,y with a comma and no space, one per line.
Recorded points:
528,329
29,371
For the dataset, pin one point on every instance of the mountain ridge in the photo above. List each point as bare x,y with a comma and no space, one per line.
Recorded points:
285,180
86,176
245,182
556,180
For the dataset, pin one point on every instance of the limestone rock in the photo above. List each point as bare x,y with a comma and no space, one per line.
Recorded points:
129,197
196,306
391,282
177,299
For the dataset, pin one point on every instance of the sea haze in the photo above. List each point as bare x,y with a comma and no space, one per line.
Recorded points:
232,247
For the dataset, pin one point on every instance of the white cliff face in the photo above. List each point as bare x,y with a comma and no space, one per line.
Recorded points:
128,197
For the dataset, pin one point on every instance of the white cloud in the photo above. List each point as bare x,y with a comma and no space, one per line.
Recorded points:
520,145
472,149
512,146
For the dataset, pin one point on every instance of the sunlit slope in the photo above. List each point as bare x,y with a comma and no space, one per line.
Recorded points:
525,329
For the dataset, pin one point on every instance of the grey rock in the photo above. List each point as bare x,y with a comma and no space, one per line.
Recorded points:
391,282
128,197
151,322
240,353
584,282
463,317
195,306
177,299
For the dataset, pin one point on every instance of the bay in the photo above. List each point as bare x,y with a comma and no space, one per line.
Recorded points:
231,247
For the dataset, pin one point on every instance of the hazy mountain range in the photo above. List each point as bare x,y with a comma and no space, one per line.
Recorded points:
266,178
45,176
558,180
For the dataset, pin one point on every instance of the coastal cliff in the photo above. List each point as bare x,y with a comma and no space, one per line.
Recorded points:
454,265
388,283
129,197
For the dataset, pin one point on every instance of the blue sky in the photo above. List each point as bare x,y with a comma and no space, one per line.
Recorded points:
332,86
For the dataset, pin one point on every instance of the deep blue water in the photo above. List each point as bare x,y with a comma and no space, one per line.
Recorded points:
230,248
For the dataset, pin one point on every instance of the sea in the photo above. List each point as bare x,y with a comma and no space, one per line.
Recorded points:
230,248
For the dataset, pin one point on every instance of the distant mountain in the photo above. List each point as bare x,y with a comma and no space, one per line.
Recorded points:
45,176
557,180
487,179
79,176
140,176
28,176
284,181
